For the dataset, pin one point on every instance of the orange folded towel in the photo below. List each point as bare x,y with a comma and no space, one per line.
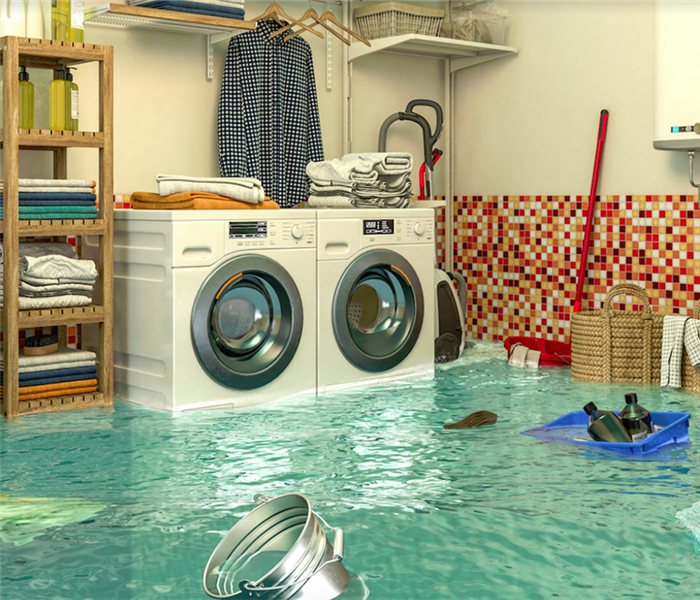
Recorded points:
57,393
47,387
51,390
195,201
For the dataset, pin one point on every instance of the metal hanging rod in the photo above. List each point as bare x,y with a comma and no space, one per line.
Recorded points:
336,2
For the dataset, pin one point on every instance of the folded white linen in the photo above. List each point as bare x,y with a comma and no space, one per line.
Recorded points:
56,267
26,289
341,201
342,169
356,202
38,281
245,189
62,355
61,365
81,183
43,249
56,190
25,303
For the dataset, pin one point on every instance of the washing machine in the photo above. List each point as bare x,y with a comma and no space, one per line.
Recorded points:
375,295
214,309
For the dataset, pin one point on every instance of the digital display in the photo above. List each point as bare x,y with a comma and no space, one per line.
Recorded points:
238,230
378,226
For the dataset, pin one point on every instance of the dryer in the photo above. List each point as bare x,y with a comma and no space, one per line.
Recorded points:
375,295
214,308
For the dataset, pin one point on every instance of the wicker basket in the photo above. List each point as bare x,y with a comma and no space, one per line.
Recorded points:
610,346
689,375
388,19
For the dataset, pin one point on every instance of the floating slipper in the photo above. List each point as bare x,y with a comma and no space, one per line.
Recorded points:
477,419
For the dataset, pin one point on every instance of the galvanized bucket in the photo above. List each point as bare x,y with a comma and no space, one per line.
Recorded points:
278,551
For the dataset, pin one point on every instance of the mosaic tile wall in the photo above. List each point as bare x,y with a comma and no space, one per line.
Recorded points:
520,258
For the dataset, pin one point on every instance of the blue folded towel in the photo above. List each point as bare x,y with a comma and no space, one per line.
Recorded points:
29,196
58,214
87,203
41,377
213,10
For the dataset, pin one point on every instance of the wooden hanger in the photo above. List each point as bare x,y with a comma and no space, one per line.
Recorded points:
275,11
329,16
313,15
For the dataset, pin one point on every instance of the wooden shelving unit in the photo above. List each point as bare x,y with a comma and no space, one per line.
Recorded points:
47,54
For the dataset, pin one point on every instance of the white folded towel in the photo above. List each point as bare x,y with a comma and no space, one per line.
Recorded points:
245,189
42,249
61,365
343,169
25,303
62,355
56,267
679,332
80,183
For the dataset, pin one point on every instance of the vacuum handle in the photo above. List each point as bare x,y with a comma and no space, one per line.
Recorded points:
438,117
422,121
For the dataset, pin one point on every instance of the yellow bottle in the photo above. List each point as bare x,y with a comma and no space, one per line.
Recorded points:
72,111
60,20
26,100
77,27
57,100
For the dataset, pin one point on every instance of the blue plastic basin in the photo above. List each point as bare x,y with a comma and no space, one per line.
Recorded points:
572,428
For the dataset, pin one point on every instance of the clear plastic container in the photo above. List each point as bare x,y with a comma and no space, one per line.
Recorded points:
473,26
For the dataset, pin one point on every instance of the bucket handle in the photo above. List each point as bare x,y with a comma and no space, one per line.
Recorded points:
249,588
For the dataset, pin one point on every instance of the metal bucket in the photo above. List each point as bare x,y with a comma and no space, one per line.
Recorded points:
278,551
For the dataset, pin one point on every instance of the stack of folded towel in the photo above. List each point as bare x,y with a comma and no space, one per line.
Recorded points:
376,179
67,372
228,9
55,199
204,193
50,276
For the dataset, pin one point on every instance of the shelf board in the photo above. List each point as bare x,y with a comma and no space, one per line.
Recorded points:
61,403
460,53
48,54
53,317
42,228
48,139
122,15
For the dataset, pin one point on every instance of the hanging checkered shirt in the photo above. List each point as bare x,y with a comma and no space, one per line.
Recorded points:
269,127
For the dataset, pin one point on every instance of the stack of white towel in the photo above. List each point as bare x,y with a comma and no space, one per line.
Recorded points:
245,189
51,276
367,180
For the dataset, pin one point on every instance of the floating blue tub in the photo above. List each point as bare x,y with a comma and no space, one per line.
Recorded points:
572,427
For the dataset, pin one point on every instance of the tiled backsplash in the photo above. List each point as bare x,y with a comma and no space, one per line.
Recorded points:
520,258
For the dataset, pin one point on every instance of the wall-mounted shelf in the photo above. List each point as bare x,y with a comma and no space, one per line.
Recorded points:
217,29
461,54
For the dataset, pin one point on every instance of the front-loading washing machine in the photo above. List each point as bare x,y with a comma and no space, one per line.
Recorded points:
214,309
375,295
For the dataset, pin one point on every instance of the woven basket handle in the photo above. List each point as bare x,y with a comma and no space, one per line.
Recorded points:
628,289
696,311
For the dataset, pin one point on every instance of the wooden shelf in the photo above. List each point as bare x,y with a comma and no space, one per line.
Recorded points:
41,228
48,54
53,317
62,403
48,139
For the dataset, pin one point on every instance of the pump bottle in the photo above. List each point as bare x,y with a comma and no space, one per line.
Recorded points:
67,20
72,111
605,426
636,418
57,100
26,100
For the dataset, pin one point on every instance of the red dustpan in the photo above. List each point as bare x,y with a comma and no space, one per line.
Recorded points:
552,354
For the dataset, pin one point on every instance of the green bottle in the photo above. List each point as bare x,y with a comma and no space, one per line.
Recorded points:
636,418
71,101
26,100
605,426
57,100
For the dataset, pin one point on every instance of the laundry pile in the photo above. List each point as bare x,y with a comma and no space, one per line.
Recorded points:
368,180
50,276
55,199
679,333
228,9
67,372
204,193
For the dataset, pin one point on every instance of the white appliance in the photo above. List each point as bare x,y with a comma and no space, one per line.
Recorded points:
375,295
676,75
214,308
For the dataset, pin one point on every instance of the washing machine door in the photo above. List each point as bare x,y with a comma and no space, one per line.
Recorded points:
247,321
378,310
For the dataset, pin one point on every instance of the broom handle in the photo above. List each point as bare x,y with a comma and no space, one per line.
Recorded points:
602,128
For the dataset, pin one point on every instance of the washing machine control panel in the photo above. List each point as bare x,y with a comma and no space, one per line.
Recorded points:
377,232
271,234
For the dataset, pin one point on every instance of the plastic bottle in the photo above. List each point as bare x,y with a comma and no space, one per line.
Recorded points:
605,426
14,19
57,100
60,20
71,101
26,100
35,19
636,418
77,26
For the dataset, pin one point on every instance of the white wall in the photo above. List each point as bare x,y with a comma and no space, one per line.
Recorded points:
524,124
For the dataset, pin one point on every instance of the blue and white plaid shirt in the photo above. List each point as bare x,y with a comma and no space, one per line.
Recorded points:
269,126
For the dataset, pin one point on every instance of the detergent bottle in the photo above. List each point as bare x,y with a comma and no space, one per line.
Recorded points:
26,100
605,426
636,419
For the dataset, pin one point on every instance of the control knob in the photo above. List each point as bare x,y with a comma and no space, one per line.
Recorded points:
297,232
418,229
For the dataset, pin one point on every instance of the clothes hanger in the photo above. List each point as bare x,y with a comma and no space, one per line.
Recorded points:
313,15
329,16
275,11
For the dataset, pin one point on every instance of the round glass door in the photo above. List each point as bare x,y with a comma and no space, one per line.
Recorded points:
378,310
246,322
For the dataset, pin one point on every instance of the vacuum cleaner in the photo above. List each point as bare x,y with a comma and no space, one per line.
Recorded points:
450,304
